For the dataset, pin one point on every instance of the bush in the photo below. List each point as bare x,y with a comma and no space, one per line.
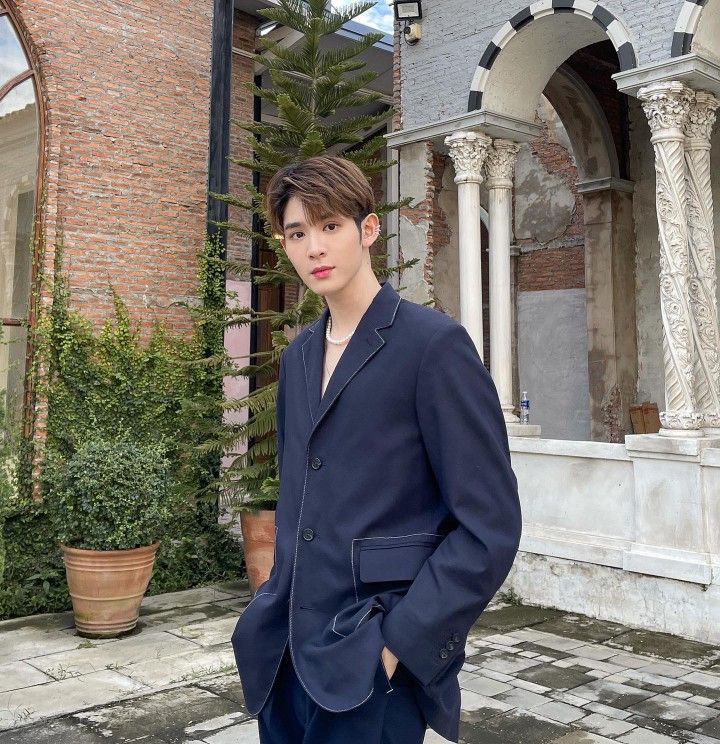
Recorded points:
109,495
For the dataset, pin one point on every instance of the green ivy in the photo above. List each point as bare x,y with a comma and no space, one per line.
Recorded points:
113,384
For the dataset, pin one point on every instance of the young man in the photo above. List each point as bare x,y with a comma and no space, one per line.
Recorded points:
398,516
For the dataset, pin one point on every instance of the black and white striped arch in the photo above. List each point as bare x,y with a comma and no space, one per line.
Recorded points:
686,26
616,32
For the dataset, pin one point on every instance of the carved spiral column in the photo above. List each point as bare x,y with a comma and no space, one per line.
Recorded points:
703,277
666,106
468,151
499,167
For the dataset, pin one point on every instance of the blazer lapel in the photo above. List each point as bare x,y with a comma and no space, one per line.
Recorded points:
363,345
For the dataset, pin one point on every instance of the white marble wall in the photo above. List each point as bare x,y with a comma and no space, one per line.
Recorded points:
624,532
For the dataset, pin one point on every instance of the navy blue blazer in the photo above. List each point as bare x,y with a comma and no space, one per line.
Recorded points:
398,516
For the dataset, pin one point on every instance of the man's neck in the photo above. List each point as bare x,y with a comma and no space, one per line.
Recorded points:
347,309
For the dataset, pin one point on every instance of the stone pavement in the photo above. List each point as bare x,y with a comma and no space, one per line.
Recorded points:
532,676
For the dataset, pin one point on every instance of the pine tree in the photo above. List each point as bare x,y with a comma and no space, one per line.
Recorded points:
315,92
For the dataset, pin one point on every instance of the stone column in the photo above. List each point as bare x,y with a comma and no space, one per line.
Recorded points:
703,277
666,106
468,151
499,167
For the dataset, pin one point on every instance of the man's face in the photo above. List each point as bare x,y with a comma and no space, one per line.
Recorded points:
334,242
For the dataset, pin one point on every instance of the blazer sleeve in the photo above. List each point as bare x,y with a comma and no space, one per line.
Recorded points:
280,413
465,438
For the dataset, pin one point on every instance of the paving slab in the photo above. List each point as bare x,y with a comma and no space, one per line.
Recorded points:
188,667
606,726
516,616
201,596
172,716
27,643
669,709
185,616
667,647
61,731
583,737
711,727
478,707
645,736
561,712
57,698
209,632
582,628
19,674
227,686
243,733
514,726
611,693
140,648
484,685
557,678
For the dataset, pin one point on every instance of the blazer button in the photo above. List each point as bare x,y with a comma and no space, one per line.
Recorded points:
456,637
315,463
449,645
443,653
308,534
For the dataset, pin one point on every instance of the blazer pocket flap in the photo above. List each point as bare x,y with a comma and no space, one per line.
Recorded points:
400,562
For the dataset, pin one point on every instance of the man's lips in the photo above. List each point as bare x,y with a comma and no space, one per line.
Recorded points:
323,271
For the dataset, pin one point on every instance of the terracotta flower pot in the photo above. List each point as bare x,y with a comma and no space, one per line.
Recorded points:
107,587
258,531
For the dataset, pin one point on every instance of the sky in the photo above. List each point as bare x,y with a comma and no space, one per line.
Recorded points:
379,17
12,62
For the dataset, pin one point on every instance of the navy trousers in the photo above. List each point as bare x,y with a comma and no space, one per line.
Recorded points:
390,715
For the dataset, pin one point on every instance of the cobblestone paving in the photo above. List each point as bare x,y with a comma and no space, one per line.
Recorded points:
532,676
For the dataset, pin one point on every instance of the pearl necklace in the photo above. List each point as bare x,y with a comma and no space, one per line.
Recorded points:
328,327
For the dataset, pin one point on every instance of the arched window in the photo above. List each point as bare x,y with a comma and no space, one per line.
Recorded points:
19,147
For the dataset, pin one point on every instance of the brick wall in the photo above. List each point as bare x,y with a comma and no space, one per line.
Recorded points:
126,88
244,28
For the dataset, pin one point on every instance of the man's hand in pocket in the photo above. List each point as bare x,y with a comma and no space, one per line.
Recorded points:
390,661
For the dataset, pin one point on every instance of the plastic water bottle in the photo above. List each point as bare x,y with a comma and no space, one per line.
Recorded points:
524,408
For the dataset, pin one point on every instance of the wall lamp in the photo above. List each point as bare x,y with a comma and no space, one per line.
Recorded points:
409,11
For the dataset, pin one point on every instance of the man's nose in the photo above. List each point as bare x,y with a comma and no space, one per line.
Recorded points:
315,245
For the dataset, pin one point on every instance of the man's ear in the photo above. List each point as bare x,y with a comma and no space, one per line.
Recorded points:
370,229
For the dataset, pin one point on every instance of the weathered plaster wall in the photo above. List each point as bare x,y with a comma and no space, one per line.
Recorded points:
552,361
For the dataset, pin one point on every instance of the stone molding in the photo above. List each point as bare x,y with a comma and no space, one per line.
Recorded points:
500,163
468,151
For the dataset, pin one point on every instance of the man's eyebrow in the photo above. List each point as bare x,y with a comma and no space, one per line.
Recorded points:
290,225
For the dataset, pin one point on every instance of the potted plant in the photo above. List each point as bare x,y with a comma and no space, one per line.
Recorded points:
109,502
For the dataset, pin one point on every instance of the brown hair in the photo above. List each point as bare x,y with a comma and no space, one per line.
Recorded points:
326,185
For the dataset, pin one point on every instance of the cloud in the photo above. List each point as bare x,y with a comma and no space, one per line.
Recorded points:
380,16
12,57
18,98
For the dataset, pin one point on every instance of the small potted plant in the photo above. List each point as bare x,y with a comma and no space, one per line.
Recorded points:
110,502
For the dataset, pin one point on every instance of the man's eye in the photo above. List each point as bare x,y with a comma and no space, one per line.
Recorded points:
295,234
332,225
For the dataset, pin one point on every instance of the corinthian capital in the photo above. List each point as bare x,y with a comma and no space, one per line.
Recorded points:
468,151
666,106
500,163
701,116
